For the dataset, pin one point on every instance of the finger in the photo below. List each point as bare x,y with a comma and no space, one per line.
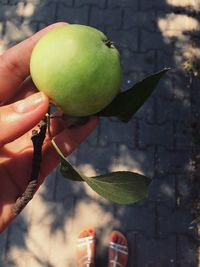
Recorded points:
18,118
67,140
14,63
26,89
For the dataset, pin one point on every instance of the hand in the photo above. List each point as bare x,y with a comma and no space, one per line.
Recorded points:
22,108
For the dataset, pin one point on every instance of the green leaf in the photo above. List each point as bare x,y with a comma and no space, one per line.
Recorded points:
120,187
126,103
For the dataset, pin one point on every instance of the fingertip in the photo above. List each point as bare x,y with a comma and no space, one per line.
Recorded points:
92,122
45,99
19,117
31,103
95,119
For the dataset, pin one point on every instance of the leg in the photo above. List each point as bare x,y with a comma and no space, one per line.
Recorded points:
118,250
86,248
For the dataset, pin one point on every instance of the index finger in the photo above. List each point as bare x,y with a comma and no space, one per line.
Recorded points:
14,64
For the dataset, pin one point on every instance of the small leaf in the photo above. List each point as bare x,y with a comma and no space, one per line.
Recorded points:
72,121
121,187
70,172
126,103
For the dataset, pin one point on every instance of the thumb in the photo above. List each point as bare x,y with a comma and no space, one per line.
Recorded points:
18,118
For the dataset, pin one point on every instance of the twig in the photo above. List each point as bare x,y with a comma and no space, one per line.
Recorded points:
37,140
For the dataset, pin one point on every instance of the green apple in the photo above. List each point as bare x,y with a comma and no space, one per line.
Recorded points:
78,68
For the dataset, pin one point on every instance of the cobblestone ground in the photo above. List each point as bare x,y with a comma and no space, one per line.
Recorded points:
158,141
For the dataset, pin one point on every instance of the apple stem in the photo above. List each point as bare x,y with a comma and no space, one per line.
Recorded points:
109,43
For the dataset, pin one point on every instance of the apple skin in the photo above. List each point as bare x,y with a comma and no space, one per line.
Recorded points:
75,68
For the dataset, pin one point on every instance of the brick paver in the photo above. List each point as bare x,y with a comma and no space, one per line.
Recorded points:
158,141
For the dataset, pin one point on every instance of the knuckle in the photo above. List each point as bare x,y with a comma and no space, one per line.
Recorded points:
10,66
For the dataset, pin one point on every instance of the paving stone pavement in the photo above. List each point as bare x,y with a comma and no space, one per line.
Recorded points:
158,141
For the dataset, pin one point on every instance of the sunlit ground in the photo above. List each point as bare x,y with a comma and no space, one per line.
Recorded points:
176,27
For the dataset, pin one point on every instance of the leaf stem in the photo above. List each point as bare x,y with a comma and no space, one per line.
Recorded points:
51,138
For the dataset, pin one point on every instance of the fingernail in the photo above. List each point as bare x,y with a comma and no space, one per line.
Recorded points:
30,103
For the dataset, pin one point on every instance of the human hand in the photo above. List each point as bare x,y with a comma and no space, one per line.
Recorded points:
22,107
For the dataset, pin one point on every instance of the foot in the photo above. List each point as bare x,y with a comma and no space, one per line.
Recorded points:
86,248
118,250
